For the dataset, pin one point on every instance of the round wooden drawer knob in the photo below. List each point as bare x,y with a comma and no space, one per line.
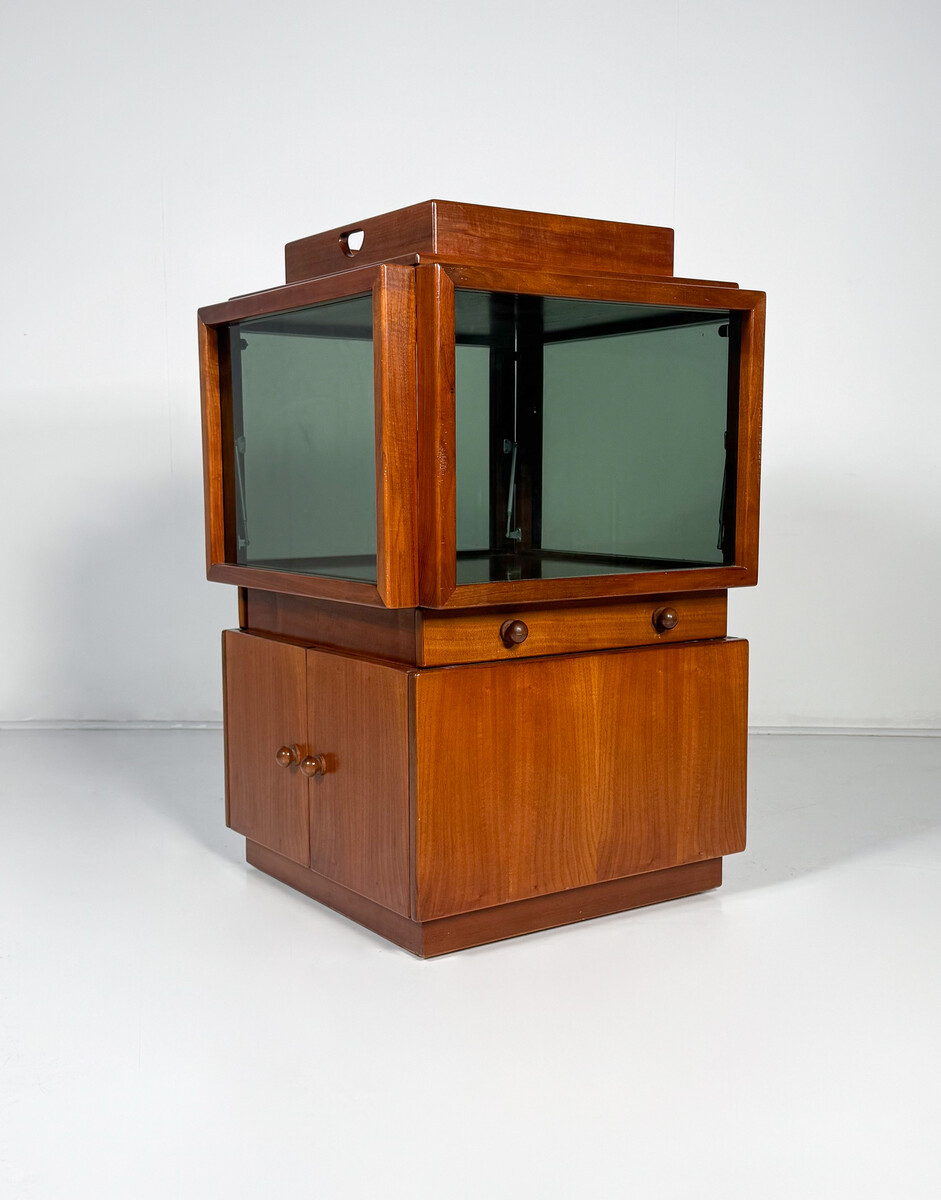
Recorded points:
312,765
665,619
513,633
287,755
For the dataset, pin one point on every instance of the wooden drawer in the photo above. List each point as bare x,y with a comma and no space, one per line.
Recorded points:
445,638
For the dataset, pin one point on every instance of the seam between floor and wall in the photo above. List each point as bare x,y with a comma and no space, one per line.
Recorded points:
756,730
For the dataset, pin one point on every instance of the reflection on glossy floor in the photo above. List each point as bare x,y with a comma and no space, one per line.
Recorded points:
174,1024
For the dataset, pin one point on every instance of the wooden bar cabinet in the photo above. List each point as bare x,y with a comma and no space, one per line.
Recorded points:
483,479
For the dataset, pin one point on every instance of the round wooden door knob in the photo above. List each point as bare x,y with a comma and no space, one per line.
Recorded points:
665,619
287,755
313,764
513,633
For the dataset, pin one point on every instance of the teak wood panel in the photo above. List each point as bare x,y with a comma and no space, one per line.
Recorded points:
284,297
748,467
265,695
597,587
480,233
396,436
211,410
436,436
547,774
359,807
377,632
314,586
563,908
474,637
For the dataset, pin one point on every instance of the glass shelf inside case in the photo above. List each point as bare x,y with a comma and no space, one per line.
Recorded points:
592,437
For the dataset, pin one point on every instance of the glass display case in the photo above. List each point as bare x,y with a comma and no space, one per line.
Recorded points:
486,454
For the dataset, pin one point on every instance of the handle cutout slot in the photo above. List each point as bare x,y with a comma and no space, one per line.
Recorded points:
351,242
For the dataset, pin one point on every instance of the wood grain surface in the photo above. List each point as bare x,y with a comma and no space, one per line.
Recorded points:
749,438
359,809
564,629
554,281
291,584
377,632
547,774
211,410
436,436
596,587
284,297
265,695
481,233
396,436
564,908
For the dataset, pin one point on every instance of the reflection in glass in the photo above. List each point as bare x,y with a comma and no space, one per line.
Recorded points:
592,436
302,461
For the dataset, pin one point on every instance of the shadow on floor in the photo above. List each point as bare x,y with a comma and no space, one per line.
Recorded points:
818,800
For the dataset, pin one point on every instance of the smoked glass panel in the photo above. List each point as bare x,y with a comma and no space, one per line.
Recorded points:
592,436
303,456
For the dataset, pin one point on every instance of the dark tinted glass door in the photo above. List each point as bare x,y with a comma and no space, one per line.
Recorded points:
593,437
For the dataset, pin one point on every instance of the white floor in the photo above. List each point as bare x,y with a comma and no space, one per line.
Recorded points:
173,1024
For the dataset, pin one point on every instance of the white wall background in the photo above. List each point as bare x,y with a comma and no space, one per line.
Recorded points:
156,158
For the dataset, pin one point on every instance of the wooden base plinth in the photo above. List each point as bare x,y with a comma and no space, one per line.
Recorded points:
429,938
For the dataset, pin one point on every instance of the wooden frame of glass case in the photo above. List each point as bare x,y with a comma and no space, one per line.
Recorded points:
392,289
436,323
413,308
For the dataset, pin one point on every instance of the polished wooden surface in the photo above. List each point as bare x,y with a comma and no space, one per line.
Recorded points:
396,436
432,637
480,233
212,443
377,632
596,587
447,934
299,295
436,436
749,437
317,586
552,281
564,908
566,629
359,806
568,771
387,236
265,695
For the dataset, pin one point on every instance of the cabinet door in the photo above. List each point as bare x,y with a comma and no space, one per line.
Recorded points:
265,695
536,776
358,719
